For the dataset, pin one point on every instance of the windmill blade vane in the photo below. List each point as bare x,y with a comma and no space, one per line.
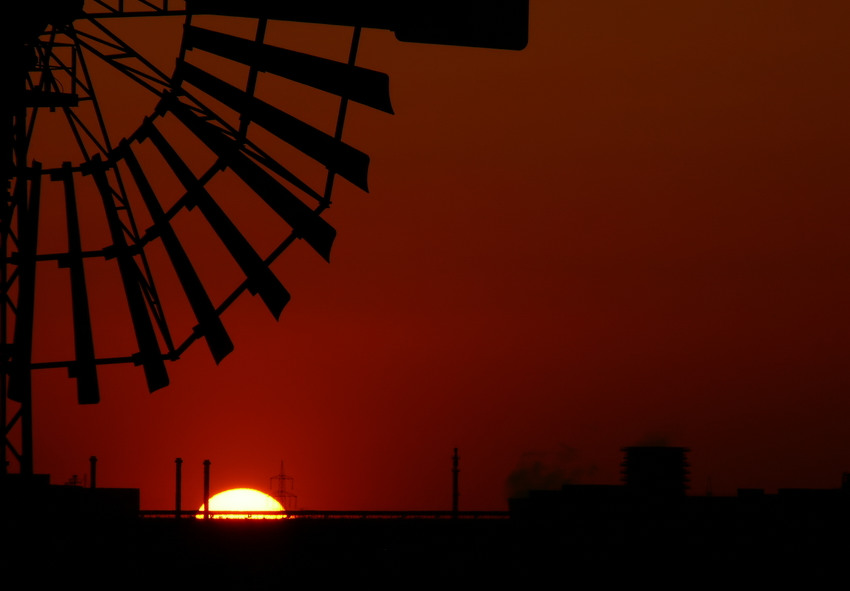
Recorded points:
357,84
261,280
83,368
337,156
305,222
149,355
209,323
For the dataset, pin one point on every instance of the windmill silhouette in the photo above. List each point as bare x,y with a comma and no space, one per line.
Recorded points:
129,206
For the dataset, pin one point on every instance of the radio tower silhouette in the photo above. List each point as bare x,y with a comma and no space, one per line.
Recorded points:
282,491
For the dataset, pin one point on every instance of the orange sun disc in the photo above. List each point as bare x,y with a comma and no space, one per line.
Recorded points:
243,500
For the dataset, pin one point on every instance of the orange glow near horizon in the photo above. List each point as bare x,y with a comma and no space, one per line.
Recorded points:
634,230
242,499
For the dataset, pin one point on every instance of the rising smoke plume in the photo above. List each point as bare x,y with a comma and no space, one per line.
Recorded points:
547,470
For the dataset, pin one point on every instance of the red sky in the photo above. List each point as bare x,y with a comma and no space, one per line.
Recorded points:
635,230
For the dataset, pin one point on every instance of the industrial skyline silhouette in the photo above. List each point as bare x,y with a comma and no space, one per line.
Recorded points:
645,526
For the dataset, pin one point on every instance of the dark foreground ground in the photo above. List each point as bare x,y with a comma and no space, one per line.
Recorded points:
70,537
410,553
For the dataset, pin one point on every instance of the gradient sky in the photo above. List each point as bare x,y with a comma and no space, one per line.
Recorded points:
633,231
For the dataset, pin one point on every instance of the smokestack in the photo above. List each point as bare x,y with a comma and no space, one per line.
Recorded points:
178,489
455,493
93,471
207,489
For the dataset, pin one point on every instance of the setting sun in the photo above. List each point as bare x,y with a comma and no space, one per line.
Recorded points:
243,499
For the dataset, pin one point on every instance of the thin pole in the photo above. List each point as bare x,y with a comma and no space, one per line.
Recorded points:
207,489
178,488
455,493
93,471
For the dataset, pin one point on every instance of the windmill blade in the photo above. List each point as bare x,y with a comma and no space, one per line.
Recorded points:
149,356
83,367
338,157
305,222
498,24
209,323
360,85
261,280
20,378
